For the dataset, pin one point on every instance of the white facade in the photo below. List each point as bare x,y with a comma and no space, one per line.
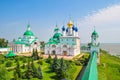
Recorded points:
95,45
25,44
67,43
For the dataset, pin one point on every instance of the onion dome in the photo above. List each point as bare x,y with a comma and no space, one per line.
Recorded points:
67,30
73,28
56,29
95,33
57,35
76,29
63,28
19,38
70,24
28,31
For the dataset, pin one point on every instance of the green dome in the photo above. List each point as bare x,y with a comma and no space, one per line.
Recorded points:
28,33
57,35
95,33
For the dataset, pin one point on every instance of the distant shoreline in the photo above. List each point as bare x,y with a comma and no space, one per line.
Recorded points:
111,48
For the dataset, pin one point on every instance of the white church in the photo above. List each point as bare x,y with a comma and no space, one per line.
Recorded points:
26,43
67,43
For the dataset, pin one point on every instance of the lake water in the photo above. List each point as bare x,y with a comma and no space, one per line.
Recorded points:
112,48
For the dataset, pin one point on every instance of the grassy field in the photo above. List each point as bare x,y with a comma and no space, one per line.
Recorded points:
109,69
47,74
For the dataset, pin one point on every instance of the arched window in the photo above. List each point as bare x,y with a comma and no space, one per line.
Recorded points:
53,46
64,46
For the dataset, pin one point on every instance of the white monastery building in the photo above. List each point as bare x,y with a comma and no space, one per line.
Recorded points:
26,43
66,43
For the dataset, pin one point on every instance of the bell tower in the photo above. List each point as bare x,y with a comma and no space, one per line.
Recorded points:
95,45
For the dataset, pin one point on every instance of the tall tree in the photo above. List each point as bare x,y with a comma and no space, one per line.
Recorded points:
42,43
17,73
40,75
34,69
62,70
48,60
35,54
55,64
3,42
29,73
4,74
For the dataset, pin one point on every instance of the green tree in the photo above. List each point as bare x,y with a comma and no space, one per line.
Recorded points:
8,64
40,75
89,45
4,74
62,70
34,69
17,72
55,64
28,73
35,55
3,42
48,60
42,43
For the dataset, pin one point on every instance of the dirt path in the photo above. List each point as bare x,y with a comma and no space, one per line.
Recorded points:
46,56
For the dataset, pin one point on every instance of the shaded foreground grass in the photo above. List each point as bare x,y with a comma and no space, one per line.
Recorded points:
48,74
109,68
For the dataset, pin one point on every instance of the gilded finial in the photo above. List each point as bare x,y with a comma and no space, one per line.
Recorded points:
70,24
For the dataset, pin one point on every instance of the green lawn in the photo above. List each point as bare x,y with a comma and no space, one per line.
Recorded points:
47,74
109,69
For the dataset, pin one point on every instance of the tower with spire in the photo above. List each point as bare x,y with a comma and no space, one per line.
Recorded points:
95,45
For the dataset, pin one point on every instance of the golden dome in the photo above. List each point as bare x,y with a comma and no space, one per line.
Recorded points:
70,24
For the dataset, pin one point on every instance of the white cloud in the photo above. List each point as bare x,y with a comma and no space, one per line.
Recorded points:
107,22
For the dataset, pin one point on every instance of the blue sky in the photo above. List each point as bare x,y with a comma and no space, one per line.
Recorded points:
43,15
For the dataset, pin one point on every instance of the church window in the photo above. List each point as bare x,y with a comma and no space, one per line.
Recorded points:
53,46
65,46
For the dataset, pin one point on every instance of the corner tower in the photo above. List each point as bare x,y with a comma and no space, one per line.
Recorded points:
95,45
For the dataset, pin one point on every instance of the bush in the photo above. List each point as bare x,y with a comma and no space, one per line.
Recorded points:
1,61
40,62
24,60
78,63
49,60
8,64
42,52
23,66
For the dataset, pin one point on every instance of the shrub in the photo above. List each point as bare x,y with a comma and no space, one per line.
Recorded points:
77,63
8,64
1,61
23,66
24,60
49,60
40,62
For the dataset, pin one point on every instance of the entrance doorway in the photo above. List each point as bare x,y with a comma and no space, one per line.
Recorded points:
53,52
64,53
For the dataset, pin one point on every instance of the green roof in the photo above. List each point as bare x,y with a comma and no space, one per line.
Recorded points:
55,39
18,42
28,33
95,33
57,35
10,54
